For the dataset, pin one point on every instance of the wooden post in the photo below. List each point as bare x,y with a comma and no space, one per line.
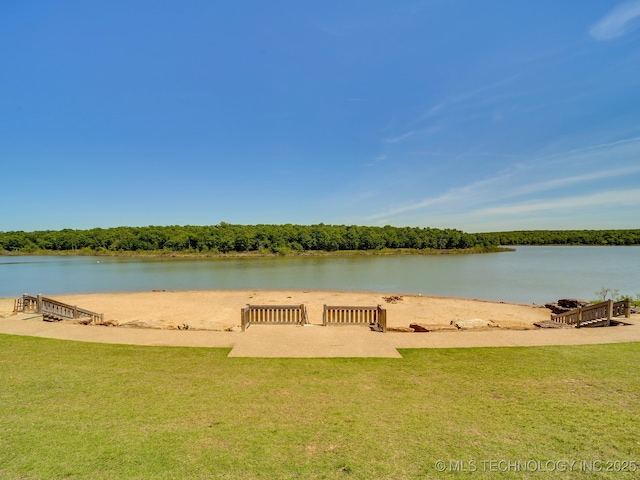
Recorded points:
627,308
579,317
75,311
324,316
382,318
244,313
609,312
39,303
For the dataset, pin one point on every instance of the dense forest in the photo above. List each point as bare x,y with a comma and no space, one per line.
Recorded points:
226,238
282,239
566,237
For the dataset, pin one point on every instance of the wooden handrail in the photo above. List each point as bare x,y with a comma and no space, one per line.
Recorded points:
599,311
54,309
623,307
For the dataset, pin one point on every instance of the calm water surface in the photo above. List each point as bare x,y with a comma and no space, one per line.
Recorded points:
528,275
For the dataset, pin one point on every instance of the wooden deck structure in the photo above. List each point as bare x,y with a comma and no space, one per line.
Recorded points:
273,315
54,311
598,315
355,315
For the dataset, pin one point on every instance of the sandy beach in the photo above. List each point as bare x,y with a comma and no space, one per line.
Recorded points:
213,319
219,310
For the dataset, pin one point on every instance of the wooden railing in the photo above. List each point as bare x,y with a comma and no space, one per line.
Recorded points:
273,314
52,310
26,304
355,315
593,313
622,308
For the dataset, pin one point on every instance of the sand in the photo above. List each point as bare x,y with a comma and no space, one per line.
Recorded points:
219,310
213,318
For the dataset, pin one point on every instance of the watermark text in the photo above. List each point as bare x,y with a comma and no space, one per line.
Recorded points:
542,466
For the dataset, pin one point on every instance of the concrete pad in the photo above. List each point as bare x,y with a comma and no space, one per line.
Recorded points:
289,341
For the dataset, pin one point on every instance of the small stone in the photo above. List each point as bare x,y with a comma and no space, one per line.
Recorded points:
419,327
551,324
473,323
400,329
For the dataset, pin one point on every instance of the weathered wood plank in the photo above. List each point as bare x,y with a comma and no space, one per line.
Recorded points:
355,315
273,314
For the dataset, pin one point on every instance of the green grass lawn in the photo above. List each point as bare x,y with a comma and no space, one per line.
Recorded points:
82,410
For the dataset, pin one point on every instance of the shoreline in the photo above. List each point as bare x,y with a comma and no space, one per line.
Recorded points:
219,310
266,290
153,319
256,254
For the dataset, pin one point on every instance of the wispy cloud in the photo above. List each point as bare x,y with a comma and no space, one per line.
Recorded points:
467,193
610,198
606,209
375,161
621,20
516,181
465,96
566,181
605,147
399,138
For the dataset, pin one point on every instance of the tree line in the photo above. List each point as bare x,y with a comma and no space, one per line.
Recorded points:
566,237
228,238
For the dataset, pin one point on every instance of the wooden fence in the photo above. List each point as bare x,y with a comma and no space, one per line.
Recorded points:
622,308
355,315
52,310
599,314
273,314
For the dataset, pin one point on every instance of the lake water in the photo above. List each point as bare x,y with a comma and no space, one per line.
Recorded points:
528,275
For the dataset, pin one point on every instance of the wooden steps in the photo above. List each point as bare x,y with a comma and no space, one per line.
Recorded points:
52,317
598,315
54,311
600,322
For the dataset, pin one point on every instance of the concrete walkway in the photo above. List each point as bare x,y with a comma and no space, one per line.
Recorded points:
315,340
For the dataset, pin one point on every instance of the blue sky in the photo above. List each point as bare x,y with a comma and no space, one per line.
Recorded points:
482,116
